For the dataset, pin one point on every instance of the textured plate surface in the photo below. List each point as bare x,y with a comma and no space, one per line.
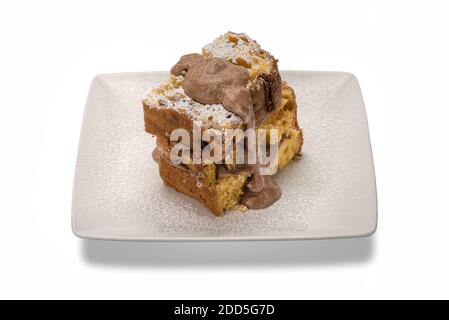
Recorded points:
329,193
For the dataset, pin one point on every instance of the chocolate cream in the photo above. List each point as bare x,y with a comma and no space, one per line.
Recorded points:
211,80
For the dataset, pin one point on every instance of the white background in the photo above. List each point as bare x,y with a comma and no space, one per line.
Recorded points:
50,51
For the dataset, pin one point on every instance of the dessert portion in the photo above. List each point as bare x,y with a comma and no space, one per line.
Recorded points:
233,84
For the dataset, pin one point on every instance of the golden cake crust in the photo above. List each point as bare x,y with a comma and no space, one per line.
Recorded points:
195,186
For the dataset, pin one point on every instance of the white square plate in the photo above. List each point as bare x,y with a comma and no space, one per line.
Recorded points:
329,193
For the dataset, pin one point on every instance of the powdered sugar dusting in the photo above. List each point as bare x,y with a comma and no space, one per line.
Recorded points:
172,96
242,47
